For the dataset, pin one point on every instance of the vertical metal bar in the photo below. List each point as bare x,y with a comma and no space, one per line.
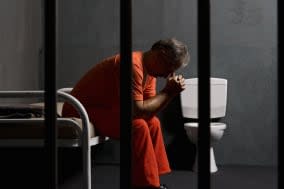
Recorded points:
204,94
280,6
50,92
125,92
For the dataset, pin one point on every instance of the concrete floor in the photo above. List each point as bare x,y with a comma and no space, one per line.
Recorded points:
24,168
227,177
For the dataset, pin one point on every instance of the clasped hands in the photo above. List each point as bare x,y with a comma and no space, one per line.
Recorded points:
175,84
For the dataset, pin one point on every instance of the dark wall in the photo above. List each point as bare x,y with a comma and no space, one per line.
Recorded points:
243,51
20,44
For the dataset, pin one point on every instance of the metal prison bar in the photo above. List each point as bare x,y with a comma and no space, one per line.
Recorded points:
203,94
50,91
125,92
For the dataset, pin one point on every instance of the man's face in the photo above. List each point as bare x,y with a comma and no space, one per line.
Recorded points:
161,65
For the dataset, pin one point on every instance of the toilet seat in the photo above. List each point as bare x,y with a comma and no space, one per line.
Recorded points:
212,124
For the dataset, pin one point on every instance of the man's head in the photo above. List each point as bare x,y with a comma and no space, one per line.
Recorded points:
166,56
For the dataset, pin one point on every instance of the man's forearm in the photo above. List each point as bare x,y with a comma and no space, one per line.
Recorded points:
153,105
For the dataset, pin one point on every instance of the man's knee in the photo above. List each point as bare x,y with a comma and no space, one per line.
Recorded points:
154,122
140,125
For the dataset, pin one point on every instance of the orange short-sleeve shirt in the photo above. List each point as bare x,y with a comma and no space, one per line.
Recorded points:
99,87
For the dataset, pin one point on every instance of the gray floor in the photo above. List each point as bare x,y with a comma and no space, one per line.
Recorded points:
227,177
27,168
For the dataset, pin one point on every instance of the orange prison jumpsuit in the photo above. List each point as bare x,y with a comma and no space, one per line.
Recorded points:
98,91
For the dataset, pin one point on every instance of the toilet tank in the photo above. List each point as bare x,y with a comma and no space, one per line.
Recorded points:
218,98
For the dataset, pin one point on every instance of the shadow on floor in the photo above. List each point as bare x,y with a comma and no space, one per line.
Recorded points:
181,153
28,167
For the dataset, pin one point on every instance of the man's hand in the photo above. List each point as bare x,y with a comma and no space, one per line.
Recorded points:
175,84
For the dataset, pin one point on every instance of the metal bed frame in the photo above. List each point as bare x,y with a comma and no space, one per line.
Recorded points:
85,141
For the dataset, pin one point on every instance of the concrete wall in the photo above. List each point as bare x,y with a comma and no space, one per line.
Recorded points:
20,44
243,51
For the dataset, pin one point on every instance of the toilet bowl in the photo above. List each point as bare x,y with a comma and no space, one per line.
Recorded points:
218,104
216,133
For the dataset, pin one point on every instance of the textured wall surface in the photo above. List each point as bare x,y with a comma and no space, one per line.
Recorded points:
20,44
243,51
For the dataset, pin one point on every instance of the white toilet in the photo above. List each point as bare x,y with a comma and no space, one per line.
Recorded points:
218,100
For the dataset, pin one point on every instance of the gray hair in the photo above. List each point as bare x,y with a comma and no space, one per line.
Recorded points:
173,49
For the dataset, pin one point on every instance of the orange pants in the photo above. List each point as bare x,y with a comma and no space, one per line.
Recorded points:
149,155
149,158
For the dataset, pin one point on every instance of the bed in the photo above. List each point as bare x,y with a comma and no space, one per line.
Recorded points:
27,130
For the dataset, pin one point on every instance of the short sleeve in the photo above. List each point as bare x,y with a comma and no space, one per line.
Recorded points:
150,89
137,79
